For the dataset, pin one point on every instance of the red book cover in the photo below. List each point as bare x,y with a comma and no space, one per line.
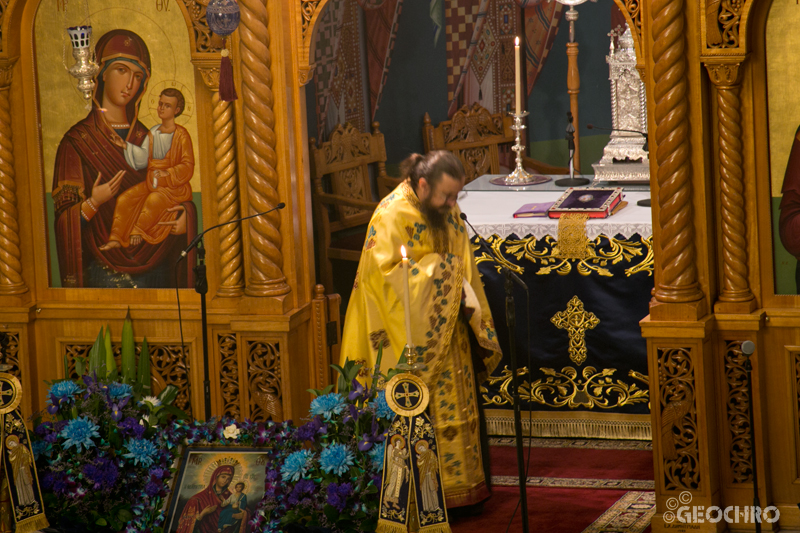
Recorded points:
596,203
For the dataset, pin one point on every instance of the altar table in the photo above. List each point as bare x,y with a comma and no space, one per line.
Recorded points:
589,283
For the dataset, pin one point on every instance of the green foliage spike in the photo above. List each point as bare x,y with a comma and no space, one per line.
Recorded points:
142,385
97,356
111,364
128,351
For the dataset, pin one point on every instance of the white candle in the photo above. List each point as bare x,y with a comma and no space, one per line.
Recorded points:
406,296
518,69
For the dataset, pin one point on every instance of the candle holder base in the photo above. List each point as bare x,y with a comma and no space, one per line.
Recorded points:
520,177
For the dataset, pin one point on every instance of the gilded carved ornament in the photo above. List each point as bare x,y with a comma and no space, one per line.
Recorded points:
725,74
308,14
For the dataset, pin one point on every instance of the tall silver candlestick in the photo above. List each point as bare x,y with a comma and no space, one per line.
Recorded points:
519,176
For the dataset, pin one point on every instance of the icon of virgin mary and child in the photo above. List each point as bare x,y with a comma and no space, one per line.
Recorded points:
121,193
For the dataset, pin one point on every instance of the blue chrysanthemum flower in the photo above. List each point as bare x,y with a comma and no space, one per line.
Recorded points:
296,465
376,454
328,405
382,409
118,391
141,451
79,433
41,448
62,391
336,459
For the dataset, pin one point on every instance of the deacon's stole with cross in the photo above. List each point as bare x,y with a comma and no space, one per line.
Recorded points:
441,271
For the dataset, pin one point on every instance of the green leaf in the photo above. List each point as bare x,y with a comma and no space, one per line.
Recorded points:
101,522
97,354
168,395
179,413
142,385
111,365
128,351
80,366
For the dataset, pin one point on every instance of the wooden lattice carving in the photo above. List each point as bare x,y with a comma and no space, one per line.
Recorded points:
737,409
264,380
472,124
679,436
229,375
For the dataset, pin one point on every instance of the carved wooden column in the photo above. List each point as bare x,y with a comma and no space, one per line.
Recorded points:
266,276
230,236
11,281
735,294
678,274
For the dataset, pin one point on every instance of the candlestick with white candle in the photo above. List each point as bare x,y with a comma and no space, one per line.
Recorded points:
406,297
518,72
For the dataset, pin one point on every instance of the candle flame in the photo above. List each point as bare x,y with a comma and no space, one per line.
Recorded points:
403,251
516,41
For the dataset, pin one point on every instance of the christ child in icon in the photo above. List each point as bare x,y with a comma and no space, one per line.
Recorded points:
147,211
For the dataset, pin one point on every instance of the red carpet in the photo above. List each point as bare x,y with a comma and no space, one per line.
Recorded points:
570,490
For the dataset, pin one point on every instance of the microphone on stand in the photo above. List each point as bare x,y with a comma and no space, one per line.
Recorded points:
201,287
572,181
643,134
511,321
199,237
486,248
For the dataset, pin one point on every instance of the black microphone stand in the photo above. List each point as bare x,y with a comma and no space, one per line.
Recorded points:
572,181
201,288
511,321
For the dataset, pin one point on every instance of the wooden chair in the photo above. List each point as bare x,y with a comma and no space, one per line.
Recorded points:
342,192
474,135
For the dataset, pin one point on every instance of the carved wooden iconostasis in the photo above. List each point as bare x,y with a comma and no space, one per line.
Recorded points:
720,78
60,281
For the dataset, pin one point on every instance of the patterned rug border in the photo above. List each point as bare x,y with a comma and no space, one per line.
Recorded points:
576,483
589,444
630,514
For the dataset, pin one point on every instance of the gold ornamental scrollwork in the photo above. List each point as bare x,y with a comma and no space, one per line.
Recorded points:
722,23
309,12
496,256
597,257
576,320
567,388
679,435
724,74
210,77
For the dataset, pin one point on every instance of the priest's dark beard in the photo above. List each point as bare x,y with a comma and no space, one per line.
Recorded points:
437,220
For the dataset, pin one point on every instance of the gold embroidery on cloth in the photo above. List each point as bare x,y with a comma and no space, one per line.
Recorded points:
550,255
572,240
576,321
591,390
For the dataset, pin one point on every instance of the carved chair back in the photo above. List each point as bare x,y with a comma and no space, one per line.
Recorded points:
342,192
473,135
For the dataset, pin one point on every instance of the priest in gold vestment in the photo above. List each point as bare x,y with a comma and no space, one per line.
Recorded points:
447,307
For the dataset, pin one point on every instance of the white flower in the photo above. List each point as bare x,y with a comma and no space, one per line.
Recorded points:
231,432
144,421
151,400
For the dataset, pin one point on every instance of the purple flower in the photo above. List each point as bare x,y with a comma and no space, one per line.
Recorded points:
103,472
366,442
152,489
359,392
130,427
158,472
337,495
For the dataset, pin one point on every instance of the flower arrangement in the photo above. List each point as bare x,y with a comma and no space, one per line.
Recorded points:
327,474
106,458
102,443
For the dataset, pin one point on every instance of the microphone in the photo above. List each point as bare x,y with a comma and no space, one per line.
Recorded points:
199,237
643,134
486,248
